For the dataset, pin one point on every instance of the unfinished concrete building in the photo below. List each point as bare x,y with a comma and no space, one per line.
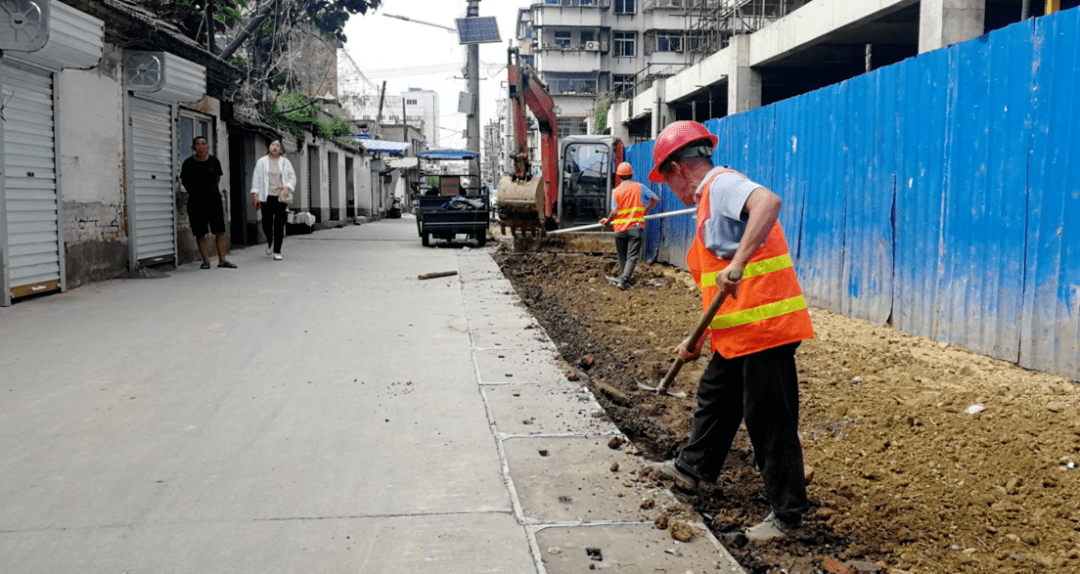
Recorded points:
742,54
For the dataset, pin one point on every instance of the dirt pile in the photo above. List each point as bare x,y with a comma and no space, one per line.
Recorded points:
921,458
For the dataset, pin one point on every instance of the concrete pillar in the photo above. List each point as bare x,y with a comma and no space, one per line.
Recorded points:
660,111
744,83
946,22
616,117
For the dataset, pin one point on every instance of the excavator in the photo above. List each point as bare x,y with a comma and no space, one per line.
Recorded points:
576,176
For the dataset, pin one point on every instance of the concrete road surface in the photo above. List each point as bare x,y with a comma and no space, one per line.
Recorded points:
325,413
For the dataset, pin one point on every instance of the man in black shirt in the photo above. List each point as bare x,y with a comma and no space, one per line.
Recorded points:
200,175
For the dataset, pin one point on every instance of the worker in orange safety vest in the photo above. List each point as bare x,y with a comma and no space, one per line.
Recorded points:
630,201
739,251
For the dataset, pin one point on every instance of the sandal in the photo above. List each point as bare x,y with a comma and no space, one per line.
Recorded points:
205,265
227,265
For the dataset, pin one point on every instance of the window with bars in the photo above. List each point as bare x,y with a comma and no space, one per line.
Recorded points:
571,82
623,85
573,126
623,43
562,39
669,41
192,125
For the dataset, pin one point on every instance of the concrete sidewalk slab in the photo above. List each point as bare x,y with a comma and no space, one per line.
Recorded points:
628,548
571,480
519,365
459,543
530,409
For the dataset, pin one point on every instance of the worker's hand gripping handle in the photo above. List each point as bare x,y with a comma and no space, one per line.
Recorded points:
699,330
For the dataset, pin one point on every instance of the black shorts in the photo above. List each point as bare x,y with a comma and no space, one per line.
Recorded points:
206,213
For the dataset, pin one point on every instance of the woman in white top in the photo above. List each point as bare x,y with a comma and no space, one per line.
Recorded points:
272,188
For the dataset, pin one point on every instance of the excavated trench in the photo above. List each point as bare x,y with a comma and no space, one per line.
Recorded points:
900,476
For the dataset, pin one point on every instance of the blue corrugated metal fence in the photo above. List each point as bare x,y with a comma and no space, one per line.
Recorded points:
941,194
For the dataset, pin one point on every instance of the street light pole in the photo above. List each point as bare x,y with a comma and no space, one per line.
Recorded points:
474,89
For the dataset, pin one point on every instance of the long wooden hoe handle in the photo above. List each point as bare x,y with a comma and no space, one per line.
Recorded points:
702,324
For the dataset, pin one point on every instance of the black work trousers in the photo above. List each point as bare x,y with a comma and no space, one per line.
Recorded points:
763,388
628,248
273,221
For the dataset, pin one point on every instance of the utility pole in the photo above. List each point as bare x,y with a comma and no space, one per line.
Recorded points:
474,85
473,37
210,26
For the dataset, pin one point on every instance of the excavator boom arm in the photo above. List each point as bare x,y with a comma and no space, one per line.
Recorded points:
527,90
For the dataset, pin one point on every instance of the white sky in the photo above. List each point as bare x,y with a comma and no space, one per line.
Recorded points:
413,55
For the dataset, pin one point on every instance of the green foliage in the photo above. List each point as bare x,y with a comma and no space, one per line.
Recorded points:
603,104
291,111
338,126
268,44
228,16
328,16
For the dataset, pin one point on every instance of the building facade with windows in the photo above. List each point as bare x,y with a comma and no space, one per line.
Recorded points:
416,107
584,48
667,60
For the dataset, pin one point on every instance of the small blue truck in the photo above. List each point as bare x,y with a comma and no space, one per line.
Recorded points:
444,207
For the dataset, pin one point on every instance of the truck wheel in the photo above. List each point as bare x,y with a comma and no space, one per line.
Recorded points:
481,238
425,239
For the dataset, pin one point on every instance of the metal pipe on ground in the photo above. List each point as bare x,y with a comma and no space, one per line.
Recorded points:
647,217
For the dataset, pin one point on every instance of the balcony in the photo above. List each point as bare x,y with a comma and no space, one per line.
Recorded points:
567,15
654,4
568,60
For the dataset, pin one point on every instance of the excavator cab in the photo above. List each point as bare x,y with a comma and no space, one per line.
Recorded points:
574,182
587,172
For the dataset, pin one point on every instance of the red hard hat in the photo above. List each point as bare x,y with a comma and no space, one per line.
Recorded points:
624,169
674,137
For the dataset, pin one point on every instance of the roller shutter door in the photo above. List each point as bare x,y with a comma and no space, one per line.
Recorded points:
154,201
32,208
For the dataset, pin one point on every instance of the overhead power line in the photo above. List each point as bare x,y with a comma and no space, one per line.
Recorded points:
404,71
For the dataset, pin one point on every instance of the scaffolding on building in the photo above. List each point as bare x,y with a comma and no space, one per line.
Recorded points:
710,24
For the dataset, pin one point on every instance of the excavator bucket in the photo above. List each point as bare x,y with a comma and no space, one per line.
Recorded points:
521,206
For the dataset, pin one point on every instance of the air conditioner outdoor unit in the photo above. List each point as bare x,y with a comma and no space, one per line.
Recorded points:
24,25
593,46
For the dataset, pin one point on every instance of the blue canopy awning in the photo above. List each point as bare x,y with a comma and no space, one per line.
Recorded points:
384,146
447,154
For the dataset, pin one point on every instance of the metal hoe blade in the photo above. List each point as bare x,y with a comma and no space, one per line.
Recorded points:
699,330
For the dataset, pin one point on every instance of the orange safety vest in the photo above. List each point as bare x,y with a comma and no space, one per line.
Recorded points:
630,210
770,310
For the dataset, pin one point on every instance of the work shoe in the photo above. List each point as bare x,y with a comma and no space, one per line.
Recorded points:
672,472
772,528
623,285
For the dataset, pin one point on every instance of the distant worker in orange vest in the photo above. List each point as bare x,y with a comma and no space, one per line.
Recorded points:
739,250
628,209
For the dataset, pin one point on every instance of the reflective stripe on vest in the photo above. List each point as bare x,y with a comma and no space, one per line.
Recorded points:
630,212
770,310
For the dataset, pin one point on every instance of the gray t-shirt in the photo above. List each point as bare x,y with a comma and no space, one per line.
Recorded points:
726,224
